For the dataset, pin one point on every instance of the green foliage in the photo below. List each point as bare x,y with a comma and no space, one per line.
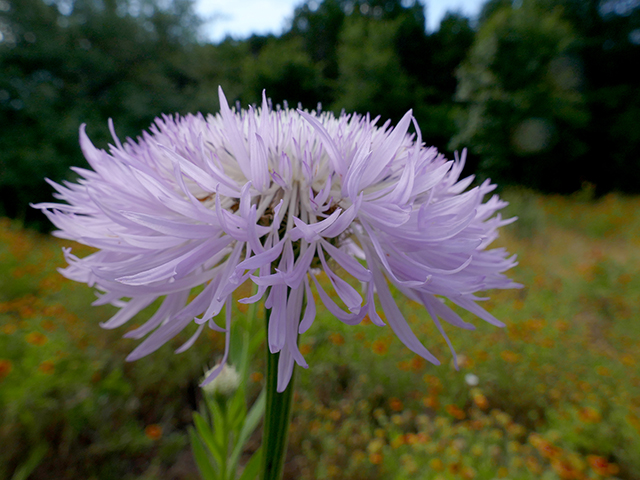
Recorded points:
285,71
522,84
550,396
69,404
556,390
371,77
81,62
319,27
225,425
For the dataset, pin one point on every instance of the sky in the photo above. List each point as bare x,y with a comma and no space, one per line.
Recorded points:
241,18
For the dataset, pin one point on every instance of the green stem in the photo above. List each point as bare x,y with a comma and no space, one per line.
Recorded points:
225,438
276,421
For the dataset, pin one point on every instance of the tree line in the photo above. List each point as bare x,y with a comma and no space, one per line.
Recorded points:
541,92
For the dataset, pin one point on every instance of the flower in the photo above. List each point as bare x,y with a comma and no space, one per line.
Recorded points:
203,204
471,379
225,383
5,367
153,431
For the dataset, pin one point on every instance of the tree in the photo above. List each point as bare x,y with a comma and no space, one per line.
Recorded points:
285,71
371,76
608,34
522,85
68,63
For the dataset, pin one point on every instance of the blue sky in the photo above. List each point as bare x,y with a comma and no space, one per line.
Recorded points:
241,18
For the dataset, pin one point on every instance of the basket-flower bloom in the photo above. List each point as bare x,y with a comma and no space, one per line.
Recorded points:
277,197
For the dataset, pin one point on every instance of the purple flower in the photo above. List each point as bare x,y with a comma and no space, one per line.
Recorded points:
274,196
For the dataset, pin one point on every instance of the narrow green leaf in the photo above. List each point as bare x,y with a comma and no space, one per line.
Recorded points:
219,426
209,439
236,411
252,468
250,423
236,346
257,339
203,461
34,459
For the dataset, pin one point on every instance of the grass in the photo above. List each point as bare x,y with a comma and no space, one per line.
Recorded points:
554,395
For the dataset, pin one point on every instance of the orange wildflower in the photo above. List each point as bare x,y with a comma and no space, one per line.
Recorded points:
468,473
547,449
476,425
36,338
48,325
404,366
455,412
9,328
431,402
379,347
589,415
47,367
625,278
375,458
532,465
396,404
509,356
601,465
481,401
53,310
336,339
627,360
417,363
26,311
256,376
547,343
435,385
5,368
565,470
153,432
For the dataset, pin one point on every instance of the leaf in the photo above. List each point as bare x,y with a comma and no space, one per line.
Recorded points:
237,346
36,456
236,411
250,423
203,461
219,427
252,468
209,439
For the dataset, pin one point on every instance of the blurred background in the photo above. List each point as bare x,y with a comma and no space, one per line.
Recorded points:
541,92
544,96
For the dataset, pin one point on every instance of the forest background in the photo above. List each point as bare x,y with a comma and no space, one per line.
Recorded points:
541,92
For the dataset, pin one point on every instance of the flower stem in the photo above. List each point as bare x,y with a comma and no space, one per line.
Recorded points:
276,421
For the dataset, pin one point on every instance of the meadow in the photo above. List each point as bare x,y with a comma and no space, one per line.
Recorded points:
554,395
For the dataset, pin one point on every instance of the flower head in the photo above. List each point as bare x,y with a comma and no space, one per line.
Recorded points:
225,383
277,197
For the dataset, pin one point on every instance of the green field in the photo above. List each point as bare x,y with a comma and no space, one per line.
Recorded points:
555,395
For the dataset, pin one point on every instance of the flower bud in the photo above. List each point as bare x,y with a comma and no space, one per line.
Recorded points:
225,384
